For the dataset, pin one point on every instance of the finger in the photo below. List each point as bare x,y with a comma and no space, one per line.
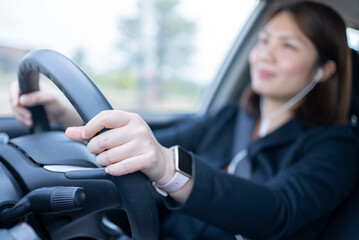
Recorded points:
109,139
118,154
35,98
75,133
105,119
27,122
23,115
14,93
127,166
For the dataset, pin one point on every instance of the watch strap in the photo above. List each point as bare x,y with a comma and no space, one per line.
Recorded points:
175,184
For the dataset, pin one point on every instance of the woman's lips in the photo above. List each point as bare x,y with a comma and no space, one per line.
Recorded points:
262,73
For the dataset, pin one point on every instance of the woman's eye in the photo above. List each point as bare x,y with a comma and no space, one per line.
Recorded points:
289,46
262,40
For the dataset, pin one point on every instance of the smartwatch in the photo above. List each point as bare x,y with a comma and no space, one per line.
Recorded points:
183,167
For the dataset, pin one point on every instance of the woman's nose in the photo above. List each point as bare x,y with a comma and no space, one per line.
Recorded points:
266,53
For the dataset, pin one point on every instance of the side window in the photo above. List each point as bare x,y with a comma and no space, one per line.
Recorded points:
353,38
145,55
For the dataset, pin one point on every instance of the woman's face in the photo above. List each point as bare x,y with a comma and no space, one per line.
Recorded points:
282,61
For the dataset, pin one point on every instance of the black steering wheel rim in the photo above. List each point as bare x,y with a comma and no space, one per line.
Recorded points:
78,88
88,101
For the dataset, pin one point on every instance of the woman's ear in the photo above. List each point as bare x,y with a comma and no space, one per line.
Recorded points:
329,68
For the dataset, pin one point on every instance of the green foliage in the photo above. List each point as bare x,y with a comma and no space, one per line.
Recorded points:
118,80
124,81
158,61
173,37
182,88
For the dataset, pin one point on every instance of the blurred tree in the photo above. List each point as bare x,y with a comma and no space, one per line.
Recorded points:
158,43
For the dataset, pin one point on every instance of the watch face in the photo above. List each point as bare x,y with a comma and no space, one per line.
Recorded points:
184,161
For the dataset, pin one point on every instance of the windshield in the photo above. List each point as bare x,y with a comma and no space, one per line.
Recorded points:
157,56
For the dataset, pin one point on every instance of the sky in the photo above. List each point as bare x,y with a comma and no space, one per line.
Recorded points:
68,25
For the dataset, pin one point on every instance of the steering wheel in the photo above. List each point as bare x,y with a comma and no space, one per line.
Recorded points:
79,89
47,159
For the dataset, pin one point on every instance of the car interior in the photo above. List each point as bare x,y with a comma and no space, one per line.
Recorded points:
29,158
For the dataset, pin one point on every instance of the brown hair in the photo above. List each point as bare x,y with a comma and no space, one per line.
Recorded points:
329,101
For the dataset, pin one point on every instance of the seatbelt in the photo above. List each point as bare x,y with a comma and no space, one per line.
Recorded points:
240,164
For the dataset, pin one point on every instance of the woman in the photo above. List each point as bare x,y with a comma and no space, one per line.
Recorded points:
274,168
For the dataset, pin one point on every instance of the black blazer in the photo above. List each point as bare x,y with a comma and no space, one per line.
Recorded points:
300,174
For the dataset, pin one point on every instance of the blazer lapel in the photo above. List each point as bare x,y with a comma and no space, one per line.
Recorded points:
287,132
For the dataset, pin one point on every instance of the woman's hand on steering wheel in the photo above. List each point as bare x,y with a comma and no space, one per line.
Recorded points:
127,146
56,105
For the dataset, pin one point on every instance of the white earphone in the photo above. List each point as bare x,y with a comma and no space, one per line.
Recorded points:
265,123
